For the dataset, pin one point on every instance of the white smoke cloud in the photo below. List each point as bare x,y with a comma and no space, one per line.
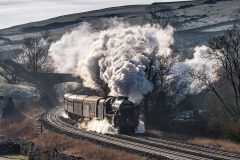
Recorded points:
64,115
71,48
104,127
99,126
140,128
201,64
65,87
120,53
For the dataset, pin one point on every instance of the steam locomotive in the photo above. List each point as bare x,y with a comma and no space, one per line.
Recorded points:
119,111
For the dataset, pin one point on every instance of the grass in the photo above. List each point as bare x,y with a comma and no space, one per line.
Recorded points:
222,144
13,157
217,143
82,148
33,110
27,129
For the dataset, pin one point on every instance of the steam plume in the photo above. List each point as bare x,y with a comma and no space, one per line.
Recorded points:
201,64
120,53
99,126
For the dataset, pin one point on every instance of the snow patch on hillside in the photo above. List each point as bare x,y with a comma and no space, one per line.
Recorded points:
20,92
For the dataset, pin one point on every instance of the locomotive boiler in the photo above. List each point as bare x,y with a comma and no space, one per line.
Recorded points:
119,111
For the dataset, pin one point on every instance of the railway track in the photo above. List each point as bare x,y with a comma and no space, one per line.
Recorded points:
148,146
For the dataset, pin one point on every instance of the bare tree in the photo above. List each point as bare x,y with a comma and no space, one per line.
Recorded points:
103,89
212,86
34,55
150,73
225,49
160,74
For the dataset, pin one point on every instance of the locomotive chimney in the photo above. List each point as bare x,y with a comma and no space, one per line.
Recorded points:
122,98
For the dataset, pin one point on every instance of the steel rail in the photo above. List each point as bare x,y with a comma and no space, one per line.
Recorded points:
183,147
156,147
138,148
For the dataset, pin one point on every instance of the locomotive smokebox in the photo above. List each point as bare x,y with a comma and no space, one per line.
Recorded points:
122,98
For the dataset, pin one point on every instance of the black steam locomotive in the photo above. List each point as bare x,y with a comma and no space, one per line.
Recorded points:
119,111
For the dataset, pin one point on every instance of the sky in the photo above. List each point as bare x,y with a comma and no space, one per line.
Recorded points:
15,12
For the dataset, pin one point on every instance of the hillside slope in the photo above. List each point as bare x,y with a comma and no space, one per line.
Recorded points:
195,22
